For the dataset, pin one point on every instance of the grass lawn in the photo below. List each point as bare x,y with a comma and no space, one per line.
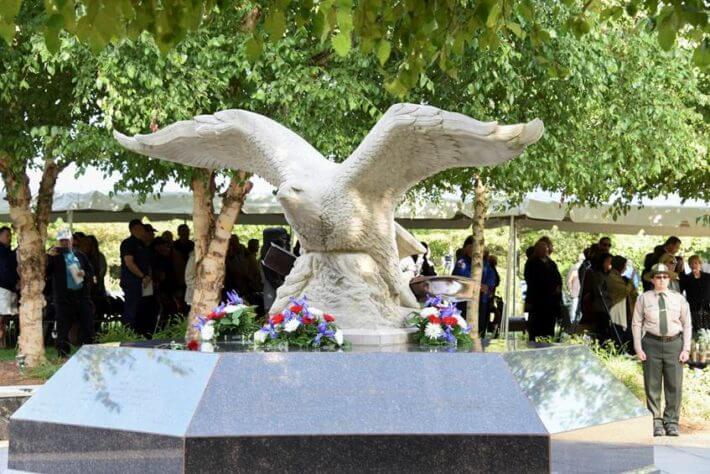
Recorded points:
7,354
42,372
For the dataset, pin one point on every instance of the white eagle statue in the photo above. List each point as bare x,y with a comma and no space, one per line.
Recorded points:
343,213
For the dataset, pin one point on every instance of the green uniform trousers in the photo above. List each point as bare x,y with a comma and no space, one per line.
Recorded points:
662,368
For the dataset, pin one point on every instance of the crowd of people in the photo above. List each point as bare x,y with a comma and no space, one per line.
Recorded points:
603,289
490,306
157,277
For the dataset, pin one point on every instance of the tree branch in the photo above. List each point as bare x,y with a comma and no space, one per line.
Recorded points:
45,195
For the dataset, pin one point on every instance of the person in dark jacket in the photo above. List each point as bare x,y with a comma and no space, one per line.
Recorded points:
9,281
71,275
596,290
696,286
135,276
543,298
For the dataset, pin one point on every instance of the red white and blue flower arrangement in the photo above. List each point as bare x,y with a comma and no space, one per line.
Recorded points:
302,326
230,318
440,324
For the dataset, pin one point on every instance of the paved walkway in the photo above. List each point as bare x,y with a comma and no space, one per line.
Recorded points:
673,456
688,453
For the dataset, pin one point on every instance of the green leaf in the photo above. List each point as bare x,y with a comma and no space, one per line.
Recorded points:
51,39
631,9
526,11
345,19
253,48
384,48
493,14
55,21
666,35
515,29
342,43
275,24
9,9
7,30
701,55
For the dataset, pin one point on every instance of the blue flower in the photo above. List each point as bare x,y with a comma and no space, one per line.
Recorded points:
433,301
323,331
201,321
233,298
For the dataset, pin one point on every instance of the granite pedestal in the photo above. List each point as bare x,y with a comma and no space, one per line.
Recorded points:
124,410
11,398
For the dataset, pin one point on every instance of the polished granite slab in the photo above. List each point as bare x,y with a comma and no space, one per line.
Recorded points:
11,398
571,389
363,394
153,410
588,412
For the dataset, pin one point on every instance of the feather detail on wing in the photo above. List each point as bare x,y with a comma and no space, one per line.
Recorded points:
235,139
412,142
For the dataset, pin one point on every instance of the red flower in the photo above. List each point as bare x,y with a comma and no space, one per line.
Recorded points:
296,308
434,320
214,316
193,345
329,318
277,318
450,321
307,320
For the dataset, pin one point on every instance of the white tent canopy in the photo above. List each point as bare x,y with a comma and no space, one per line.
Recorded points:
537,211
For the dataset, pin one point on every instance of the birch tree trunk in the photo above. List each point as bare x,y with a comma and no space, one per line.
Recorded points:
31,231
212,239
478,227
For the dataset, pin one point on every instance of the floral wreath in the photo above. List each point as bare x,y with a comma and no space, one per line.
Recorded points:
440,324
302,326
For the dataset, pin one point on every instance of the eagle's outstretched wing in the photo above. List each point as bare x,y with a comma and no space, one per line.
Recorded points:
235,139
412,142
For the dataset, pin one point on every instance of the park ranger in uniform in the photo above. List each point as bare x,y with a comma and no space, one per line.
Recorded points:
662,332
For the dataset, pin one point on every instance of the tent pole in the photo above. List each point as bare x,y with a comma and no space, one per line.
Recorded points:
510,279
70,220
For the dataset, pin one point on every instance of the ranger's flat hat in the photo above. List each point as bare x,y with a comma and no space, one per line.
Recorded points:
659,269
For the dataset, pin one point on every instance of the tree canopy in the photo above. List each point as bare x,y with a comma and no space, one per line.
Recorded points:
624,118
411,35
46,106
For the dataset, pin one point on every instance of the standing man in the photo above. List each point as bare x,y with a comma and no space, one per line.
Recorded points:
605,244
71,275
662,317
183,244
464,268
9,281
135,272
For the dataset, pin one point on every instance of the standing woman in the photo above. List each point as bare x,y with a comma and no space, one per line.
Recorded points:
597,287
9,281
696,286
544,292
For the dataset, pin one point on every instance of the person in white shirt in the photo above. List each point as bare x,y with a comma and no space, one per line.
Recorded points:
662,331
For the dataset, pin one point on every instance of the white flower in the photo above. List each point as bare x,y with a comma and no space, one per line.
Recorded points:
316,313
339,337
260,337
291,325
426,312
461,322
206,347
231,308
433,331
207,331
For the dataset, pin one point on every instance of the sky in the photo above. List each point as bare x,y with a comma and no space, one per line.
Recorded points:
94,180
